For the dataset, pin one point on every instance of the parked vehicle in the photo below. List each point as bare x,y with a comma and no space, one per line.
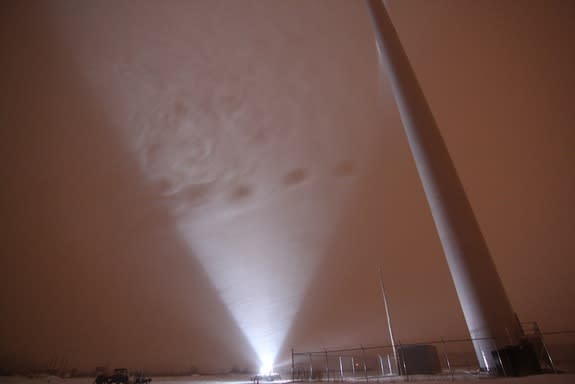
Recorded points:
101,379
139,378
120,376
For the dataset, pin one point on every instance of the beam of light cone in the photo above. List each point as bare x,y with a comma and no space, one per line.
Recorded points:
253,154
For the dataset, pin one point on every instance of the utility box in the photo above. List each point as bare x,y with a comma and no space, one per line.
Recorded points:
517,360
418,359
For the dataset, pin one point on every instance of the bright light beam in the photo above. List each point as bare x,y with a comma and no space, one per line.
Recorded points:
267,367
253,155
261,270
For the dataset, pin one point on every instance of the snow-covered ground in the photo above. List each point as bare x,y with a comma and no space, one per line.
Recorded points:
537,379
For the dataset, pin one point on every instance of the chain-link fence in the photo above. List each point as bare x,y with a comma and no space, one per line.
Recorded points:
552,352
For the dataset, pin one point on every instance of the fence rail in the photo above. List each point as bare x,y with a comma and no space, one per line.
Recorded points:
552,352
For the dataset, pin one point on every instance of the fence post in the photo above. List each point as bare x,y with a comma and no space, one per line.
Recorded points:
540,336
340,368
326,366
310,367
381,364
292,366
364,364
549,357
499,357
447,359
402,358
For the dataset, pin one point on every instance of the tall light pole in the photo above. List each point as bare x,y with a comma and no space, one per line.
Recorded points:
487,310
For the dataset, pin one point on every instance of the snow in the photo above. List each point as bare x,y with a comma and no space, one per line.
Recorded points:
537,379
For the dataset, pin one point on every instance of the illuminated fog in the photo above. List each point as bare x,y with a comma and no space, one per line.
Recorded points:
186,168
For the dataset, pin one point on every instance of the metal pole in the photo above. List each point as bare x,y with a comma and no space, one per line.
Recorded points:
381,364
340,368
387,314
540,336
364,364
310,368
292,366
501,361
485,305
353,366
549,357
402,356
326,366
447,359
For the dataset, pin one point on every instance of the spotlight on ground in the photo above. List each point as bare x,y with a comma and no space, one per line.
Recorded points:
267,367
267,370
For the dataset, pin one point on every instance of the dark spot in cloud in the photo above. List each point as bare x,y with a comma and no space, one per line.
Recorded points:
241,192
180,109
195,193
164,186
344,168
295,176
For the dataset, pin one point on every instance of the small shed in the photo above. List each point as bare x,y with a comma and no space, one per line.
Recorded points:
418,359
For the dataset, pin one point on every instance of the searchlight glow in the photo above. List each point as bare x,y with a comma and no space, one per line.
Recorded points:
267,366
267,370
